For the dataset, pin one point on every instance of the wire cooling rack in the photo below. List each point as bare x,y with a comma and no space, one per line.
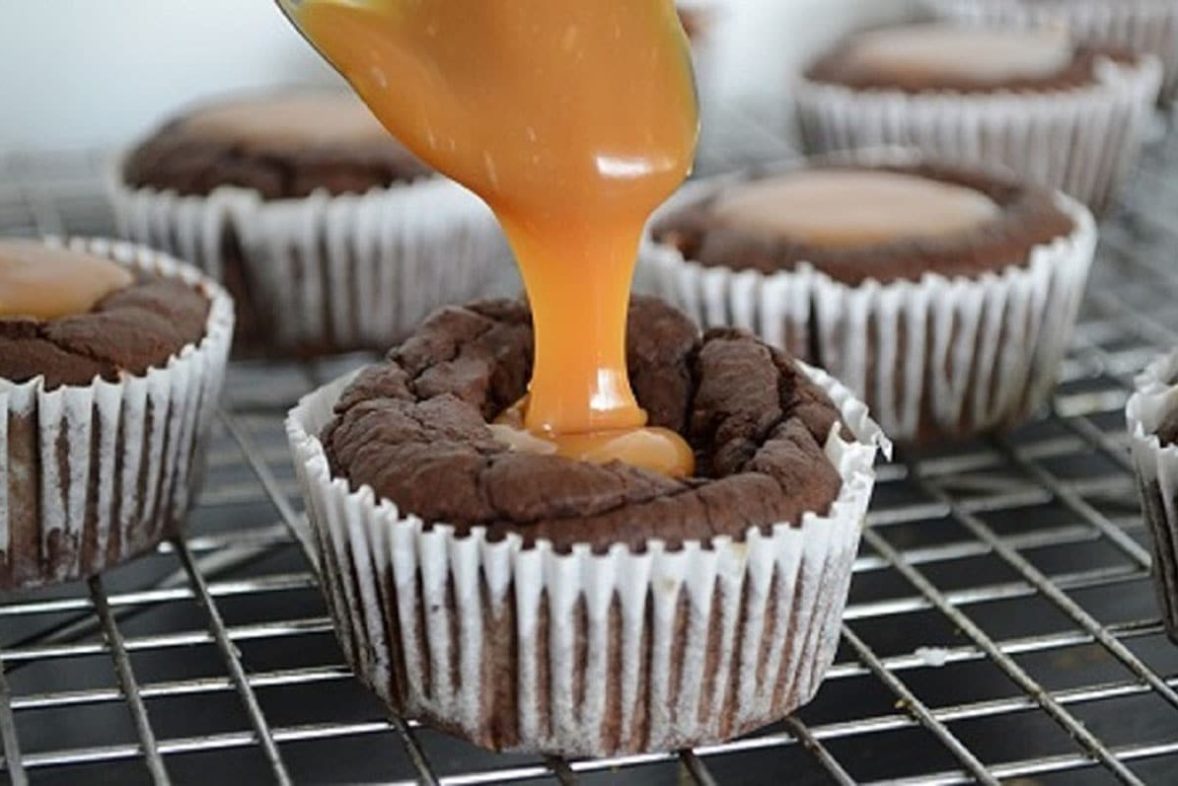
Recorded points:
1002,625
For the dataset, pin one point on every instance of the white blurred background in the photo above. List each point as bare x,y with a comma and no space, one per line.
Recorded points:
97,73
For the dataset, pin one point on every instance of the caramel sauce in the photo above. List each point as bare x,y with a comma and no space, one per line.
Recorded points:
573,120
44,282
656,449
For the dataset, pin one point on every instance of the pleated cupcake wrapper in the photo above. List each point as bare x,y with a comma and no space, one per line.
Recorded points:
1133,25
92,475
1157,477
519,647
332,273
938,357
1082,141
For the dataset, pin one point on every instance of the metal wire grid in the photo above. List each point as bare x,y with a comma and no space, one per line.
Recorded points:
1001,623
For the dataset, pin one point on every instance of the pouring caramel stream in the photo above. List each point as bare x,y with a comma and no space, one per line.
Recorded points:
573,120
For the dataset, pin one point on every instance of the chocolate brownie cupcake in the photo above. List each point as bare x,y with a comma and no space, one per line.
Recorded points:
1152,414
1144,26
945,297
534,602
331,236
111,360
1065,116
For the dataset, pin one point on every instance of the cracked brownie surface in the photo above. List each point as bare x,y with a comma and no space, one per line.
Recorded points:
127,332
282,146
415,429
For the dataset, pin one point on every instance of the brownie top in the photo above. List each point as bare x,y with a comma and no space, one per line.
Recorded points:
414,428
47,281
942,57
134,328
990,224
286,145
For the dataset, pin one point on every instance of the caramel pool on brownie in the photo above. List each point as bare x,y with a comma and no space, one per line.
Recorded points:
932,57
856,223
69,316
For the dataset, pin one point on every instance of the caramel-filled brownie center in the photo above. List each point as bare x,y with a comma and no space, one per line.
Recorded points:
1026,216
46,282
834,208
975,54
416,430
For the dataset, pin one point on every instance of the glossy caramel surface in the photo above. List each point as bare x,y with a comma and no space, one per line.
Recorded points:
573,120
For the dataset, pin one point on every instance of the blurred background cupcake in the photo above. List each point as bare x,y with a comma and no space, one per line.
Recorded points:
1130,25
1062,114
331,236
942,295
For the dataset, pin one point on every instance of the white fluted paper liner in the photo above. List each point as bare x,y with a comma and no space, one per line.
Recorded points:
1083,141
1157,476
93,475
938,357
1133,25
524,648
332,273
